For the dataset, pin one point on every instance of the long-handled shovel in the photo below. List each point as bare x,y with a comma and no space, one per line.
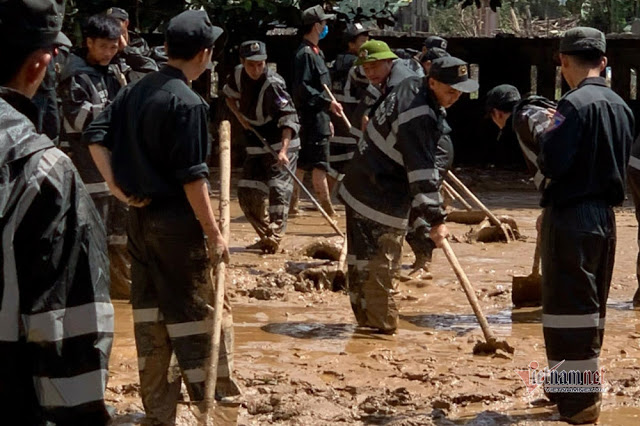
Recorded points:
292,174
527,290
342,114
491,344
220,275
508,233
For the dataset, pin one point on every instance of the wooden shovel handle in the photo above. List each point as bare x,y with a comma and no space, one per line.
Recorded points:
469,291
535,270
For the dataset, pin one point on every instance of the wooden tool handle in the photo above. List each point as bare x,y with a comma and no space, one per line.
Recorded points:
492,218
220,277
535,270
333,98
455,195
469,291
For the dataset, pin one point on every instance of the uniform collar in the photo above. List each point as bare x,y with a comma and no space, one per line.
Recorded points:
173,72
313,47
20,102
598,81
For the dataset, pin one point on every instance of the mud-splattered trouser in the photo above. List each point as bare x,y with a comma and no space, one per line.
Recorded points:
374,259
634,184
264,194
171,286
578,251
114,216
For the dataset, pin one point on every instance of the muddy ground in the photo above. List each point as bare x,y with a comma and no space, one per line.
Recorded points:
301,360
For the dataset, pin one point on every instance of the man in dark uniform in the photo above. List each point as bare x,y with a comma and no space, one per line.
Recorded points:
134,53
432,54
310,74
393,182
434,41
634,185
347,89
46,98
584,153
150,145
499,105
56,318
88,84
259,98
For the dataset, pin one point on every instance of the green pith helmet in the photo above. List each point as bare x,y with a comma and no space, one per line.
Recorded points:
374,50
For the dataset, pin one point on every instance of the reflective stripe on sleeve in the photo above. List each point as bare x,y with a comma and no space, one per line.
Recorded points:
430,198
195,375
423,174
60,324
71,391
409,115
341,157
96,188
344,140
634,162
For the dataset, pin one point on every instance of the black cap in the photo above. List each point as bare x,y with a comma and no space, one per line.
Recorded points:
583,39
435,41
502,97
32,23
253,50
454,72
316,14
117,13
192,27
433,54
354,30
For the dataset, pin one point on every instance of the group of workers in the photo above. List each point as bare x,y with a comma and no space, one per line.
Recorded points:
138,152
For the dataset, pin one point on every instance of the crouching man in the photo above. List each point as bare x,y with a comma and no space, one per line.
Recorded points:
394,183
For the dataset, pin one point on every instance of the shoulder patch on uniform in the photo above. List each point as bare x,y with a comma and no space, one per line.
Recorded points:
556,121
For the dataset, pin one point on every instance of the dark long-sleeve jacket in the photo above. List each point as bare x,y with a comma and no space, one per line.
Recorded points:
56,317
374,95
395,176
85,91
529,121
585,150
266,105
156,130
310,73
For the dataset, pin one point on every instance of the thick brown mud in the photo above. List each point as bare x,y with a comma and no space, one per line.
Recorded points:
301,360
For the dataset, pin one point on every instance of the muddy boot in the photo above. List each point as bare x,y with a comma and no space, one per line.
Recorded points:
258,245
270,245
636,299
587,416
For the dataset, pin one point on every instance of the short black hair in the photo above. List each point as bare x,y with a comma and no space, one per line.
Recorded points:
12,61
587,58
185,51
306,28
101,26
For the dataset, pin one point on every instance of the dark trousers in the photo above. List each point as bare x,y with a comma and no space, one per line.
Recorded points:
171,286
578,252
420,242
374,259
634,185
264,194
114,216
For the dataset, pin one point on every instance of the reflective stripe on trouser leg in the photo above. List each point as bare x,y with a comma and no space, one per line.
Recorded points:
578,250
374,253
280,190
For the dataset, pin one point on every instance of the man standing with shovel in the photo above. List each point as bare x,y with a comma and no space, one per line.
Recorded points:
396,184
258,97
150,146
584,154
